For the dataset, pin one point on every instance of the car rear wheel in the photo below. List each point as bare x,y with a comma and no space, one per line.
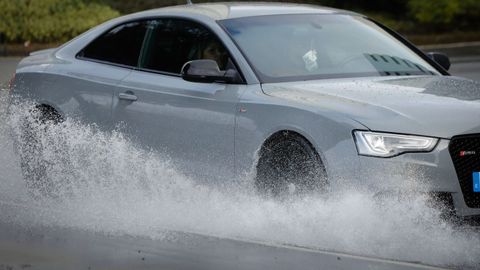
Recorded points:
289,165
32,151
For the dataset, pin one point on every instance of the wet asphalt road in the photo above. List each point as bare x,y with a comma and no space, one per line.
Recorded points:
470,70
7,68
63,248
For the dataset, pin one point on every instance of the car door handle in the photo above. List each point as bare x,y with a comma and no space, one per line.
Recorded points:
127,96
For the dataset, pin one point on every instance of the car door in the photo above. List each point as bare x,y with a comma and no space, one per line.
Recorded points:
191,123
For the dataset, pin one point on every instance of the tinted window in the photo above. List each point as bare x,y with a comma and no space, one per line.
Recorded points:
174,42
121,45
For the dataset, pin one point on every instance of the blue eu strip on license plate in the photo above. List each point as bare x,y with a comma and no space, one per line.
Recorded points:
476,181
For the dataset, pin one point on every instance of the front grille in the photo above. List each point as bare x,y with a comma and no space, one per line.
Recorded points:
466,163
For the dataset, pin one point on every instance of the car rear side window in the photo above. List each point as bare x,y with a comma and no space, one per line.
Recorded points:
173,42
120,45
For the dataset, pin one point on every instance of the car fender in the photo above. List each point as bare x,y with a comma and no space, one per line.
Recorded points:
260,116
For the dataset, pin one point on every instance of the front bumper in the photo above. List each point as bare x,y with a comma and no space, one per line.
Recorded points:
432,172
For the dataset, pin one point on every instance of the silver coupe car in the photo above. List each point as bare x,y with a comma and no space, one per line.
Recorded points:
307,98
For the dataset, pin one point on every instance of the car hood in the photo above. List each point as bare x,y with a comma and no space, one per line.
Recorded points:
439,106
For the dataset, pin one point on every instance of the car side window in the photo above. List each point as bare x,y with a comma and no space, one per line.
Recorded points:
120,45
173,42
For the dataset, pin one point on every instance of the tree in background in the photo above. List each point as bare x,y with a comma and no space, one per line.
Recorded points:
392,6
446,14
50,20
403,15
44,21
126,6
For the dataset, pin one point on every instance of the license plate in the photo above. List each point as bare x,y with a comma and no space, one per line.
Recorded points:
476,181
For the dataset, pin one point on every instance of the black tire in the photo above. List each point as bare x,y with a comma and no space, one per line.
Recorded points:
34,166
289,165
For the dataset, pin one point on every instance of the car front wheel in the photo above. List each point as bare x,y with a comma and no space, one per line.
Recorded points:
289,165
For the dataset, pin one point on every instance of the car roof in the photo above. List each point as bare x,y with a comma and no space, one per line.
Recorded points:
221,11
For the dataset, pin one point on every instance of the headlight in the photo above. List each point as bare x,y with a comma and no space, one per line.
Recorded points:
389,145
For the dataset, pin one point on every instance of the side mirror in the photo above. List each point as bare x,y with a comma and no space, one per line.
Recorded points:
207,71
440,58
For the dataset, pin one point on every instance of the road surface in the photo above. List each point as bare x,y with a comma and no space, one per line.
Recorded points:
467,68
37,247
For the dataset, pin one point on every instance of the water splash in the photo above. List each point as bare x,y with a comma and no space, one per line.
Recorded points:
107,184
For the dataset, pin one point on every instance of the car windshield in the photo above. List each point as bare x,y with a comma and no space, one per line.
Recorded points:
306,47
